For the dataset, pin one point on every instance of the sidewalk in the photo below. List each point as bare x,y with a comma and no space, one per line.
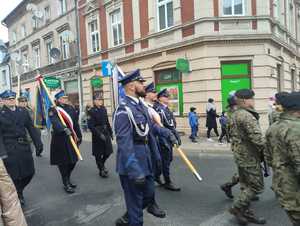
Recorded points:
203,146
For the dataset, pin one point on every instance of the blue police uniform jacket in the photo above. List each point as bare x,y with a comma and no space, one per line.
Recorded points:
134,147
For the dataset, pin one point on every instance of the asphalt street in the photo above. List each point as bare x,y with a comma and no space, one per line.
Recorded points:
99,202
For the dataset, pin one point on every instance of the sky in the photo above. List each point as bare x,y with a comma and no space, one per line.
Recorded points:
5,9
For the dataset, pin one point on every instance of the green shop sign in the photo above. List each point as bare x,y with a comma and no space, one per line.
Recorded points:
52,82
183,65
96,82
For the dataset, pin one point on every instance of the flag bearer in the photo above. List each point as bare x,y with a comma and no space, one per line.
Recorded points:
62,152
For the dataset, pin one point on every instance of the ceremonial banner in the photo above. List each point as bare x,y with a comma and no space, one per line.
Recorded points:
119,91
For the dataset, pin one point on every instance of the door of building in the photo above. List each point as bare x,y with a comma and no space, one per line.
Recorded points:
235,76
171,80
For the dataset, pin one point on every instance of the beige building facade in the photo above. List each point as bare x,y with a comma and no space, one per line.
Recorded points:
36,27
230,44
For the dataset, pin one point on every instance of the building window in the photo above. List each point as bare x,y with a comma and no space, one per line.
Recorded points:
71,89
14,37
47,14
25,62
35,23
4,78
49,47
291,16
280,78
165,14
233,7
64,47
94,36
116,27
293,80
23,31
63,6
36,57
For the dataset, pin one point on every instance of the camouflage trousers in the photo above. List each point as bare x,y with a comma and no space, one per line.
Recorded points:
11,211
294,217
252,184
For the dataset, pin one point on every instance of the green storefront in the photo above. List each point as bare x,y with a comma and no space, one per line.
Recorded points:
171,80
234,76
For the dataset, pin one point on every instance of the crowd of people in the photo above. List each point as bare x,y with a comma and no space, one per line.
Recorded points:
145,133
211,123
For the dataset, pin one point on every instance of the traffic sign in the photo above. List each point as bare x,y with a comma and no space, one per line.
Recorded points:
106,68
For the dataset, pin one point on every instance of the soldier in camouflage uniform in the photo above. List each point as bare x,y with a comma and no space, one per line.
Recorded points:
247,145
227,187
274,115
283,154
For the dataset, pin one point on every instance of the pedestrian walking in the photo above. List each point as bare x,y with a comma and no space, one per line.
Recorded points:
194,124
62,152
132,125
102,134
283,155
15,124
224,123
248,146
166,146
211,119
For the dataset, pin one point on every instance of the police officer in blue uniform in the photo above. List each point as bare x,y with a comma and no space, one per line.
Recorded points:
101,134
62,152
15,122
133,125
166,147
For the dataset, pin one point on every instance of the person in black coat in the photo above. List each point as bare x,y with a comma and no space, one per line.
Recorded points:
101,134
15,122
211,118
62,152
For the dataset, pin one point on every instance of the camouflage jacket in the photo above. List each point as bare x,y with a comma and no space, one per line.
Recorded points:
274,116
247,140
283,154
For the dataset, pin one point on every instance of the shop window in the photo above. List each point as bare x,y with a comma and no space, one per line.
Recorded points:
235,75
171,80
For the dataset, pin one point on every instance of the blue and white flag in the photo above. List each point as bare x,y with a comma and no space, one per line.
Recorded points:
119,91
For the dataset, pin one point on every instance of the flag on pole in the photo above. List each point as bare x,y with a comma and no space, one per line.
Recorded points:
42,106
118,89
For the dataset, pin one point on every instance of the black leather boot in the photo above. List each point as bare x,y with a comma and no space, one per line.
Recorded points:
68,189
227,190
156,211
21,199
250,216
239,215
170,186
123,221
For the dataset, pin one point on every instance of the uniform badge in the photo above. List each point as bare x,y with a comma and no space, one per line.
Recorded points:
142,126
51,113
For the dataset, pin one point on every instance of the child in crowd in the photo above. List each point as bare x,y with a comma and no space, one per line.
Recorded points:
194,123
223,121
